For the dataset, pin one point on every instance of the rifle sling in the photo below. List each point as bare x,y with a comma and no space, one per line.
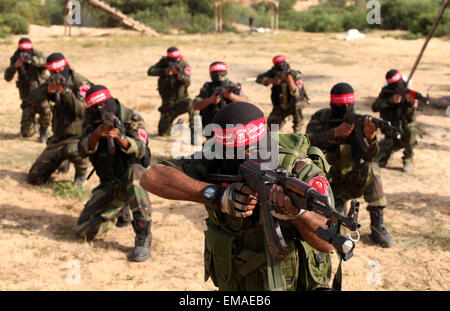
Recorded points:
274,274
337,281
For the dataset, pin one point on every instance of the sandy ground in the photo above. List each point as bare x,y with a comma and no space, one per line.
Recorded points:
38,250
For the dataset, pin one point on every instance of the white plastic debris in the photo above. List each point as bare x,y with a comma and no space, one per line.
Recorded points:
354,34
447,113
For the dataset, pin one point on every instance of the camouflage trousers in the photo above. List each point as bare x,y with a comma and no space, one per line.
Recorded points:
390,145
170,111
279,115
366,181
29,111
109,199
51,158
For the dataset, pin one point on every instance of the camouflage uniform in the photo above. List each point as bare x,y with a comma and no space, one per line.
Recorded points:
348,182
174,93
388,111
67,128
208,90
284,102
235,256
32,76
119,176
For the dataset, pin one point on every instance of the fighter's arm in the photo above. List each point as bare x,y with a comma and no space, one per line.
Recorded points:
170,183
203,100
156,70
12,69
307,223
265,78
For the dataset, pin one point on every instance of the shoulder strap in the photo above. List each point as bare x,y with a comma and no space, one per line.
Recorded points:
291,148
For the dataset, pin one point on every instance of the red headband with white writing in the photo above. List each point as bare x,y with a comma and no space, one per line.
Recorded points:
342,99
243,135
98,97
278,59
397,77
218,67
173,54
25,45
57,65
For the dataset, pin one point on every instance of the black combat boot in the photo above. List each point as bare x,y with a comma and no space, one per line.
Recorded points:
43,135
143,241
124,218
379,233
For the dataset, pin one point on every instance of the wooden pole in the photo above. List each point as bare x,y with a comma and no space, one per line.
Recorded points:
272,19
216,18
278,15
70,19
221,16
433,28
65,17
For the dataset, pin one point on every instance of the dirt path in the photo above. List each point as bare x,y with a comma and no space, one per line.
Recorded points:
39,252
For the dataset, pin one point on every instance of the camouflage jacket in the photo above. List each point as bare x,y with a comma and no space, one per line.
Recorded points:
338,151
394,113
172,88
208,90
30,76
281,95
109,166
68,114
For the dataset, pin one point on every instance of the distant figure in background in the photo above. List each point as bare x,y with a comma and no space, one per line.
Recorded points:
66,89
29,64
288,93
174,79
398,104
217,94
251,19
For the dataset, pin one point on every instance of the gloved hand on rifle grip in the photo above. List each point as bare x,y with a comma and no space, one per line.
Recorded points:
282,206
238,200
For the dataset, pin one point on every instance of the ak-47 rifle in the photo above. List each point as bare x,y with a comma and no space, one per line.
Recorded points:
303,196
230,87
357,139
174,66
26,59
110,120
358,120
58,78
401,112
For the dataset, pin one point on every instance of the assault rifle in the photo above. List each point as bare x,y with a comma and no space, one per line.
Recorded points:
358,120
174,66
58,78
26,59
402,108
303,196
281,70
109,119
230,87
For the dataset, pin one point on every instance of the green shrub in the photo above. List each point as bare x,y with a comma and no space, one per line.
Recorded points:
4,31
416,16
16,23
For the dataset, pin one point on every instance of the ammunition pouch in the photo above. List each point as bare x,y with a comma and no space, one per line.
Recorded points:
315,272
218,255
